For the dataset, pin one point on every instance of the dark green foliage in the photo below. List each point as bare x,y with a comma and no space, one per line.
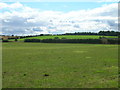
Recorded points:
41,34
91,41
16,40
63,38
105,33
56,38
101,33
109,33
94,41
5,41
81,33
114,41
32,40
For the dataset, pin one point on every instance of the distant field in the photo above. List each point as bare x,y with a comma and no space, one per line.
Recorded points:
70,37
41,65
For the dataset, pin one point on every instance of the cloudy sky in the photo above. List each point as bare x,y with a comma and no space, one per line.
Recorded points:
31,18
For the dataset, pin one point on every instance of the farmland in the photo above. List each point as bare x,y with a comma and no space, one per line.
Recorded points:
41,65
69,37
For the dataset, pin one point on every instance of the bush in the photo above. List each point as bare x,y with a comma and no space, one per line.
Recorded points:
116,41
5,41
32,40
92,41
56,37
16,40
88,41
63,38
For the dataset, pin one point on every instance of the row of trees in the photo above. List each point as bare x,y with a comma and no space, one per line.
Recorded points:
9,41
109,33
103,33
87,41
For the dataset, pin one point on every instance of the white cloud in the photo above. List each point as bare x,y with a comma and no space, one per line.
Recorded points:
3,5
11,6
21,20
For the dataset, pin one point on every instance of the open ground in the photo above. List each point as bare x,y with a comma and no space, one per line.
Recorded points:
43,65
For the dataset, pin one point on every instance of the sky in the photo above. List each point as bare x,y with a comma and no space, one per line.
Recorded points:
64,6
34,18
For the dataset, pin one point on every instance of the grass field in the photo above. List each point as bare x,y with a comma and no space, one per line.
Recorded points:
70,37
41,65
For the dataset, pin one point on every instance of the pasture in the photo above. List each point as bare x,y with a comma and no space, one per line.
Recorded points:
70,37
43,65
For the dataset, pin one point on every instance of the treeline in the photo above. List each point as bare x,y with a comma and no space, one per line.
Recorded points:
109,33
34,36
86,41
28,36
104,33
101,33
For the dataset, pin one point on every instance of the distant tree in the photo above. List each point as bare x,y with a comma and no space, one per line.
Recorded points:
109,33
41,34
104,40
16,40
5,41
63,38
56,37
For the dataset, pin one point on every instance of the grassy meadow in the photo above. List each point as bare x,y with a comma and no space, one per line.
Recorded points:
68,37
41,65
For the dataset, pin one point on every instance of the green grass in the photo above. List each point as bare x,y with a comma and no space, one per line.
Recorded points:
70,37
68,65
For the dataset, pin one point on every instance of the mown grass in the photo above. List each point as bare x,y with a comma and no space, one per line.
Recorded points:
41,65
70,37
